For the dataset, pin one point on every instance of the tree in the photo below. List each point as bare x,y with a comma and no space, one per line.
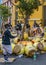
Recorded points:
4,14
27,8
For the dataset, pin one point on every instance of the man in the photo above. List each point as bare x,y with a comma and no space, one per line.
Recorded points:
35,28
19,29
7,49
28,29
35,24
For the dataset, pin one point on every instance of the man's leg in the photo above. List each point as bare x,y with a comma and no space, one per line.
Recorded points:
5,52
9,50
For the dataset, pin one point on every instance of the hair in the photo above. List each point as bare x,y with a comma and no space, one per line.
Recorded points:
6,25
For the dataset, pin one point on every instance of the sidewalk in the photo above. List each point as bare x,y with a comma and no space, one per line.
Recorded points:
11,58
41,60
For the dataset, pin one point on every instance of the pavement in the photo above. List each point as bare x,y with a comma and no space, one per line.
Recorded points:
41,60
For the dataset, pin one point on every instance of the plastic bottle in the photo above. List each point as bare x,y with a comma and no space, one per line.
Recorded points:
34,57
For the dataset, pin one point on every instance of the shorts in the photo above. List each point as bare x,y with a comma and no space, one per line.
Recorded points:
7,49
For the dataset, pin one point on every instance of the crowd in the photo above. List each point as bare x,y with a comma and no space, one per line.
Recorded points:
6,35
36,29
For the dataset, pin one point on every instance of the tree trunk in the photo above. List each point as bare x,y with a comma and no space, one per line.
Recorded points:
26,21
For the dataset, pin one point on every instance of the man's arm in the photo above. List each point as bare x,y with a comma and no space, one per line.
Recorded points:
10,36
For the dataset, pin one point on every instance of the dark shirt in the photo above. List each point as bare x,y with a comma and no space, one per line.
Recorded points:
6,37
36,25
27,25
18,26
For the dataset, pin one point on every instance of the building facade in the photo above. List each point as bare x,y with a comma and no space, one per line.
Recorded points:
39,16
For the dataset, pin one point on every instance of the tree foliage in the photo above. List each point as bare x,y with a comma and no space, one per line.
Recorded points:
28,6
4,12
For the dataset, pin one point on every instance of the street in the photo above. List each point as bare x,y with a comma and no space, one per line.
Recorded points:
41,60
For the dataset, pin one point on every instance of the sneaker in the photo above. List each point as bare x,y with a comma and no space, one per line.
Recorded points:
7,61
20,56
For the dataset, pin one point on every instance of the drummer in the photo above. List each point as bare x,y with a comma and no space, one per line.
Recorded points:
35,27
19,28
42,30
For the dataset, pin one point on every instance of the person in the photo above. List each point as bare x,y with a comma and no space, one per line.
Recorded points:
18,26
6,45
28,28
42,34
35,28
42,30
27,25
19,29
35,24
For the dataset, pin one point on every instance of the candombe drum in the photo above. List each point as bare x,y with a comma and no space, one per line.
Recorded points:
40,46
15,40
25,43
44,45
13,45
19,49
29,50
25,35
